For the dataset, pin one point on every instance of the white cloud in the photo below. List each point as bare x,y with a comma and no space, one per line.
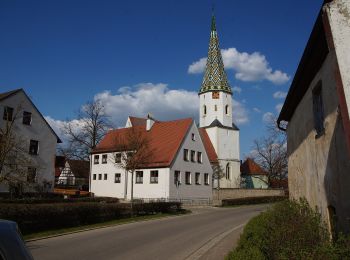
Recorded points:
279,94
279,107
268,117
163,103
247,67
236,89
257,110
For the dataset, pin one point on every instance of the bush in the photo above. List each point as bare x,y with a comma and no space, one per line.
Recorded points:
58,199
289,230
252,200
39,217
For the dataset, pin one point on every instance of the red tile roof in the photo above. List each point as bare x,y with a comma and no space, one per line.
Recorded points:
164,138
249,167
213,158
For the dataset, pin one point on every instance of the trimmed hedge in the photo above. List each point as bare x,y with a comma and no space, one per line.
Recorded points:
289,230
252,200
39,217
59,199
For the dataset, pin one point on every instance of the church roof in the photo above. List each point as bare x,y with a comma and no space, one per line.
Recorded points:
215,78
249,167
209,148
217,123
164,140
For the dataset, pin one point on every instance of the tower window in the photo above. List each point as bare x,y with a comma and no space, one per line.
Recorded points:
205,109
215,108
226,109
228,170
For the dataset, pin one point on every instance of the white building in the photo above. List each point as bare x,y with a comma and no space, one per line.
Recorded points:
36,149
74,173
177,155
215,114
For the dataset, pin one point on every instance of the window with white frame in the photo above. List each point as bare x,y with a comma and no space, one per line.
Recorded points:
104,158
96,159
118,158
193,156
188,178
117,178
105,176
154,177
206,178
139,176
197,178
100,176
199,157
27,118
94,176
186,155
34,147
177,178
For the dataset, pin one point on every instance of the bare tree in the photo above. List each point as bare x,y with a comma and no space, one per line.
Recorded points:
134,153
86,131
270,152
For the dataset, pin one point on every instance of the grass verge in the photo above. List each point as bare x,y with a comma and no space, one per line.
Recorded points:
62,231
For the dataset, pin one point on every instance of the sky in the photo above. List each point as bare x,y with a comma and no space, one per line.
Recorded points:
140,57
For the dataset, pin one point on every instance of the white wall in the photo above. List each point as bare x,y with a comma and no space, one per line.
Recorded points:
185,191
38,130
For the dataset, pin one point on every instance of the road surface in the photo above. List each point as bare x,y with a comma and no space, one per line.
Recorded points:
207,233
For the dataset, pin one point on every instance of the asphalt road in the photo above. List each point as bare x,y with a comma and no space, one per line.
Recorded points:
207,233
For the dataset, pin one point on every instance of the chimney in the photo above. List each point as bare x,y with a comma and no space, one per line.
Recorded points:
149,122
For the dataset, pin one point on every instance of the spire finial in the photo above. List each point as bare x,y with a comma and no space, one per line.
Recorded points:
213,25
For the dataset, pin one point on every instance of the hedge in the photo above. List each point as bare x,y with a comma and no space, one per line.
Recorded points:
252,200
40,217
289,230
58,199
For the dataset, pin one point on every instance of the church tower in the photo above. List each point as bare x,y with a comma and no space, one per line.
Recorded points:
215,113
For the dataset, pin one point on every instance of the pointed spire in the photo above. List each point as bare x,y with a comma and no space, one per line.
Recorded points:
215,78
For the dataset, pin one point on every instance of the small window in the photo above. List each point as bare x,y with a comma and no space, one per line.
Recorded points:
34,147
104,158
139,176
31,175
129,154
227,110
118,158
193,137
205,109
215,108
94,176
8,114
197,178
100,176
105,176
193,156
27,118
188,178
117,178
318,110
206,179
96,159
199,157
154,177
228,172
177,180
186,155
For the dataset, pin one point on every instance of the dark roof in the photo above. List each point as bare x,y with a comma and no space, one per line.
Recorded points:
209,148
249,167
80,168
135,121
217,123
10,93
312,59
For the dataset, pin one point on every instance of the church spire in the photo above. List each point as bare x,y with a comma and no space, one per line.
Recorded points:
215,78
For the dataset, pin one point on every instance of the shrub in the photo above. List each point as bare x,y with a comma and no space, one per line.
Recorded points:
289,230
252,200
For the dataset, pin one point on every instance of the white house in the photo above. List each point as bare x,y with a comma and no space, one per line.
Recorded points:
74,173
179,167
36,138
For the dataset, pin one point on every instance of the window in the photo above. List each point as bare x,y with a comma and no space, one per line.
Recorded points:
94,177
199,157
205,109
31,175
34,147
118,158
154,176
226,109
186,155
228,171
96,159
215,108
8,113
100,176
318,110
193,137
27,118
105,176
206,179
139,176
188,177
177,180
104,158
197,178
193,156
117,178
129,154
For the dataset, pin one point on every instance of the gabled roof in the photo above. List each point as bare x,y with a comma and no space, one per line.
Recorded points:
5,95
136,121
249,167
209,148
164,140
217,123
80,168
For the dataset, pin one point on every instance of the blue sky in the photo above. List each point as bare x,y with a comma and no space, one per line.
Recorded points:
136,55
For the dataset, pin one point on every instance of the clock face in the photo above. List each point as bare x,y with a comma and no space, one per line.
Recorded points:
215,95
